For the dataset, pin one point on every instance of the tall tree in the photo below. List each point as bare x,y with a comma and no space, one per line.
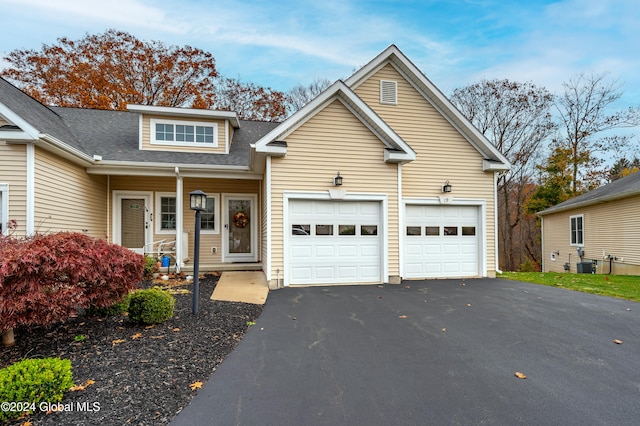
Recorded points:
301,95
516,118
584,110
624,167
250,101
110,70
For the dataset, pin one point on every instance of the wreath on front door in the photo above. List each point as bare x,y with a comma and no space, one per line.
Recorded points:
240,220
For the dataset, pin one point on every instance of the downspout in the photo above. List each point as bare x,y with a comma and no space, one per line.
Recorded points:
267,205
496,255
108,212
31,192
401,212
179,218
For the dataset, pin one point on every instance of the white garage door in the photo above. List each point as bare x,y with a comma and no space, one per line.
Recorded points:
334,242
441,241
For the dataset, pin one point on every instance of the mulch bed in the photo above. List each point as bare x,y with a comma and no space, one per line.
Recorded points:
144,375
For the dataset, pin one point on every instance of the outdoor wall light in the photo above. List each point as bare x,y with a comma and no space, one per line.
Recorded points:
198,203
446,187
337,181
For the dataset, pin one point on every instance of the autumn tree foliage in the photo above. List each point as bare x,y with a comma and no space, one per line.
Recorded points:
250,101
110,70
516,118
47,278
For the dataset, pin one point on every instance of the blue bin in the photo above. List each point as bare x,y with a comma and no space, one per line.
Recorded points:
165,261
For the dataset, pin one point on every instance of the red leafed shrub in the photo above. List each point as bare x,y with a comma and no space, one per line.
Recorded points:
46,278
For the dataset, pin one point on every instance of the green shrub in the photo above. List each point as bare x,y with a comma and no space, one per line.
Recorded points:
34,381
150,306
150,265
110,311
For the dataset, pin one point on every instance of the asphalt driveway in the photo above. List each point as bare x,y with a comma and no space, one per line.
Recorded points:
430,353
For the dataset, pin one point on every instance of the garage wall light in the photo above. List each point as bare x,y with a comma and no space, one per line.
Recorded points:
337,181
446,187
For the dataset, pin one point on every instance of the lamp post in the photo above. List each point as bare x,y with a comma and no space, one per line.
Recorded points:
198,203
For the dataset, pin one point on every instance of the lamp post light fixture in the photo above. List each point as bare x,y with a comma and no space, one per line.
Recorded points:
446,187
337,181
198,203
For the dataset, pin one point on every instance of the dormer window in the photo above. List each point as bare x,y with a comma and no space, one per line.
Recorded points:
184,133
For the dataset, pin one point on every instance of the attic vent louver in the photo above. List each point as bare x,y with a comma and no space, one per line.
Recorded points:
388,92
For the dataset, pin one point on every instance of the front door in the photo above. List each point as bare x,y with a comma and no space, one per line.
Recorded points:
132,215
240,228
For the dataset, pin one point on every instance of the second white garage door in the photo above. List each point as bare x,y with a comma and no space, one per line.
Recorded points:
441,241
334,242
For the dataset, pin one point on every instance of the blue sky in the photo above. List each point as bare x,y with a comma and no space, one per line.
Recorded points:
281,44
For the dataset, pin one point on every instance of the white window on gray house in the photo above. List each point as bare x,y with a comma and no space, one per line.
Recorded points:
577,230
389,92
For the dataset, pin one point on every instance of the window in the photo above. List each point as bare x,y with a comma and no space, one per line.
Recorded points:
324,229
208,217
450,230
184,133
577,230
432,231
388,92
469,230
168,213
346,230
300,229
369,230
413,231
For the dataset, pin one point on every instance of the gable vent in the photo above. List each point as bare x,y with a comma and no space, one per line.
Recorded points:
388,92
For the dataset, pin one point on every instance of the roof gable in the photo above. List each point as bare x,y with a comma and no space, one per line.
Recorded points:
397,150
628,186
493,158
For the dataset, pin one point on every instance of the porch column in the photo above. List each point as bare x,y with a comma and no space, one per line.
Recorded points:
179,218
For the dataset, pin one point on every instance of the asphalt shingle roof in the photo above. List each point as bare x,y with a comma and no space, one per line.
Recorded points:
621,188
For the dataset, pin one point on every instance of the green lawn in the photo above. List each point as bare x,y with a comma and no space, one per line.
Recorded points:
620,286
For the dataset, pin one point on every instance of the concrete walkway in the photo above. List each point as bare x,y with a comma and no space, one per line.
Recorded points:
430,353
243,286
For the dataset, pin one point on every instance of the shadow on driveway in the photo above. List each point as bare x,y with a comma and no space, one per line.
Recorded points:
430,353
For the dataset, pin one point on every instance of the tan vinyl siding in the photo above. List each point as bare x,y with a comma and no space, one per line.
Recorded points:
3,122
146,136
611,228
210,187
333,140
442,153
67,198
13,171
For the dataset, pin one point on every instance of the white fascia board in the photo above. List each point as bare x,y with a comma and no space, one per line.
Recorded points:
160,169
15,136
28,131
186,112
398,157
64,150
341,92
430,93
297,119
493,166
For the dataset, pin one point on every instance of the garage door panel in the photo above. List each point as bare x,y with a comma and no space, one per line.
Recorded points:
341,251
447,244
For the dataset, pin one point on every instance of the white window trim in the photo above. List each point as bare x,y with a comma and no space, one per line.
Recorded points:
4,208
216,214
158,209
572,244
152,132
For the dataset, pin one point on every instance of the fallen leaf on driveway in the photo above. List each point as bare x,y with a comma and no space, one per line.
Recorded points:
444,329
407,286
195,385
519,375
469,304
402,316
617,341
